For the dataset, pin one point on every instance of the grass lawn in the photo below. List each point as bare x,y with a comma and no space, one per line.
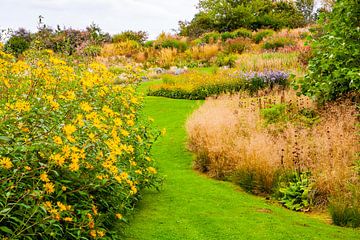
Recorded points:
192,206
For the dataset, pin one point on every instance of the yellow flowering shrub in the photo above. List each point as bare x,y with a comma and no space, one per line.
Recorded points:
74,151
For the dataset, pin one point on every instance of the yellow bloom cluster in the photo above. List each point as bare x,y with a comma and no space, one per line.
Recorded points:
72,131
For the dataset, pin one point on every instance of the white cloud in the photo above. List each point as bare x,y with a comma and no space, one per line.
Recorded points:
153,16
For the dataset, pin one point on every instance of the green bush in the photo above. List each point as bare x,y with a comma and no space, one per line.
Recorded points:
172,43
261,34
226,60
139,36
334,69
211,37
16,45
274,114
241,32
92,50
295,195
278,42
226,35
238,45
148,44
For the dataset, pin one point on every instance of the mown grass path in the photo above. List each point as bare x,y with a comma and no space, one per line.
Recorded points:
192,206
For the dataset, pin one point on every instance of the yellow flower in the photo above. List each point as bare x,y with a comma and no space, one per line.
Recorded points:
117,122
152,170
119,216
101,233
27,168
58,159
49,187
94,209
61,206
48,204
91,224
124,133
74,166
130,122
58,140
6,163
124,175
44,177
133,190
93,233
69,129
138,172
21,106
63,188
70,139
92,137
85,107
68,219
54,105
69,95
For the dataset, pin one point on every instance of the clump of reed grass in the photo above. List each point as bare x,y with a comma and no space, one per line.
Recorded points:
233,138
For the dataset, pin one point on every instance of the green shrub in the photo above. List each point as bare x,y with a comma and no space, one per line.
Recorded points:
226,60
211,37
274,114
226,35
261,34
172,43
345,207
148,44
92,50
238,45
139,36
296,195
241,33
334,69
16,45
278,42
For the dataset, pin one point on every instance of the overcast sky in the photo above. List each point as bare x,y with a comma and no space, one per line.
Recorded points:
113,16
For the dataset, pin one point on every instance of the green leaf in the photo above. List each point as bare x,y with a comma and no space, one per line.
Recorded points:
6,230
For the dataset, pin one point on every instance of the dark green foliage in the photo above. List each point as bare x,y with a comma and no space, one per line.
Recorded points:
335,68
279,42
211,37
226,35
296,194
261,34
200,24
229,15
16,45
242,32
139,36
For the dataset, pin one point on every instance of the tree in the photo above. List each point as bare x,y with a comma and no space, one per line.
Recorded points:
229,15
307,9
335,68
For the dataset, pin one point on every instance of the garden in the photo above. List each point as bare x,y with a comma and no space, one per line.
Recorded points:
226,127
